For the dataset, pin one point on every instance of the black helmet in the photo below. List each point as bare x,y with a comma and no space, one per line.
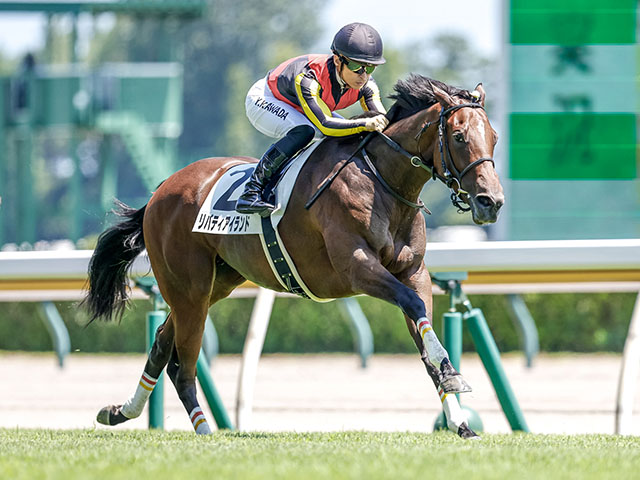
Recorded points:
359,42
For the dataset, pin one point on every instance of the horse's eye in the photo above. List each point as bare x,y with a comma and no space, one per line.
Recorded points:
458,136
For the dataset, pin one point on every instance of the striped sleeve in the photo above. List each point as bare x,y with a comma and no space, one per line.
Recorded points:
370,99
308,92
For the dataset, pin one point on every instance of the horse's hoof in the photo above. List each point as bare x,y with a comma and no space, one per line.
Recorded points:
455,384
452,381
465,432
111,415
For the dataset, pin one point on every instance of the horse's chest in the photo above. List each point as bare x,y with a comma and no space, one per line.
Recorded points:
398,257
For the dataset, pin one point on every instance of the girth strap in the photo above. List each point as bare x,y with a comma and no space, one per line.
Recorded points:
277,257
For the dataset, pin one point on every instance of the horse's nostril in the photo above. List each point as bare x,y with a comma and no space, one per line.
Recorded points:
485,201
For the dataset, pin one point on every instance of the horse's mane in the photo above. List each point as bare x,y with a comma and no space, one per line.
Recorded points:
416,93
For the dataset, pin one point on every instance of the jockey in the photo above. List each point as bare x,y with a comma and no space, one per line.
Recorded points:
296,101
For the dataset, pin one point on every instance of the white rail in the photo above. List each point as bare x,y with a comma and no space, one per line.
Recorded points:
542,255
493,267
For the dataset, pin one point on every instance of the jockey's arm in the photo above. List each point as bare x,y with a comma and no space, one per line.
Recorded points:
316,110
370,99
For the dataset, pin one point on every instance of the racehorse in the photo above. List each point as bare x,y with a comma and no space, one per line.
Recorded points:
363,232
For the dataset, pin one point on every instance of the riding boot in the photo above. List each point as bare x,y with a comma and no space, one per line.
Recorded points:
251,200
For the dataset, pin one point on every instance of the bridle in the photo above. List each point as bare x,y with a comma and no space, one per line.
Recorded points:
453,180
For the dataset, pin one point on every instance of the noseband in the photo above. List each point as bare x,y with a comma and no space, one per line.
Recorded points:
453,180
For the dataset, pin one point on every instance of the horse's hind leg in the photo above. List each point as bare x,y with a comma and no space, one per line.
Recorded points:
190,289
158,357
226,280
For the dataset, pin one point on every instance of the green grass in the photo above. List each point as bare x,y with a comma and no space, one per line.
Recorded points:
69,455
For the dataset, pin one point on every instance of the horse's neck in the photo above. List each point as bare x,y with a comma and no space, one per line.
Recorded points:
395,167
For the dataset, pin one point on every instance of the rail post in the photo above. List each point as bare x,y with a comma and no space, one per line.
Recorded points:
490,356
211,393
452,327
156,401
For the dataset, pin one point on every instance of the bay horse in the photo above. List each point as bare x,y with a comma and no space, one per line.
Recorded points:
364,234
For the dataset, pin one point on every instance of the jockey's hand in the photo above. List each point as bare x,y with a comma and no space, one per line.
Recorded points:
376,124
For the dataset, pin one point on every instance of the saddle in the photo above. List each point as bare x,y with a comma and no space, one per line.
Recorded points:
218,216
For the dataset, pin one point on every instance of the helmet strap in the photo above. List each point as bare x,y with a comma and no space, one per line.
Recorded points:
341,80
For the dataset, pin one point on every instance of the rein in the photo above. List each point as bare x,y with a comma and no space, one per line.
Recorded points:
449,179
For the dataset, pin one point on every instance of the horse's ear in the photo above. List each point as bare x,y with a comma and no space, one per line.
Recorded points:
478,94
443,97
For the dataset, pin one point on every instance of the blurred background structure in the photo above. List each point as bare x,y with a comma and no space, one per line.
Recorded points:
105,99
118,95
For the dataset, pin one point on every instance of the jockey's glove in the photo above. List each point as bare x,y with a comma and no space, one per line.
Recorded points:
376,124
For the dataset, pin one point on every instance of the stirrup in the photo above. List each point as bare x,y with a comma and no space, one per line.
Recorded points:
258,206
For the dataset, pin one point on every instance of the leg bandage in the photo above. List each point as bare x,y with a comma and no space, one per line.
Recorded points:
134,406
452,411
199,422
435,350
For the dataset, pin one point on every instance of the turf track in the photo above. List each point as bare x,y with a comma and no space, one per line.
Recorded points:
87,454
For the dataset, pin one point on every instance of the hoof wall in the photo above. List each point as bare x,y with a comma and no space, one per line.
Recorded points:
465,432
111,415
455,384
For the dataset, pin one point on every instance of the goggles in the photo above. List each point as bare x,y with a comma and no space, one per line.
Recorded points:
356,67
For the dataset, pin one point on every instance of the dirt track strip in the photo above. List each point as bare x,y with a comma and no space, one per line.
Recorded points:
561,394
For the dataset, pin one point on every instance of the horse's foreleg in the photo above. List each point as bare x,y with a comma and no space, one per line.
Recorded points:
456,420
158,357
413,296
370,277
420,282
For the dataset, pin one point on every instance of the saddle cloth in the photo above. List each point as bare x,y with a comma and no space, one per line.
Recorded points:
218,216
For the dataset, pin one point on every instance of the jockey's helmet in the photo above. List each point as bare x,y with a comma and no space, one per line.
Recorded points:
359,42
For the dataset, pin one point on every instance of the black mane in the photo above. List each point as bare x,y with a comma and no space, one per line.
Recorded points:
416,93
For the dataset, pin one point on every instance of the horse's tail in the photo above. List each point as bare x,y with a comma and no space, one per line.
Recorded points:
112,258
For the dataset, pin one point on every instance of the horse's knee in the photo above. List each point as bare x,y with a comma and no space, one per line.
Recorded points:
411,304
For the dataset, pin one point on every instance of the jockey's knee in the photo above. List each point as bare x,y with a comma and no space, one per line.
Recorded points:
295,140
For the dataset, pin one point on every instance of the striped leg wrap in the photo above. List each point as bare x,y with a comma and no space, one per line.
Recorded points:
452,410
199,422
435,350
134,406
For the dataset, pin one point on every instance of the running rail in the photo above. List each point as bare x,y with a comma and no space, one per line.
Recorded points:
492,267
490,264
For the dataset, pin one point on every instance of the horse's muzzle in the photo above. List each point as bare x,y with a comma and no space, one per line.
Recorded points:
485,207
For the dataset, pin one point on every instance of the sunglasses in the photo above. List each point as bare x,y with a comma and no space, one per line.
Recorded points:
356,67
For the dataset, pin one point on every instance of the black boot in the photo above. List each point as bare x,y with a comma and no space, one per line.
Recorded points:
251,200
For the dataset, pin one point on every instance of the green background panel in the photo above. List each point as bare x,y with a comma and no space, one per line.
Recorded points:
573,146
573,22
573,5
